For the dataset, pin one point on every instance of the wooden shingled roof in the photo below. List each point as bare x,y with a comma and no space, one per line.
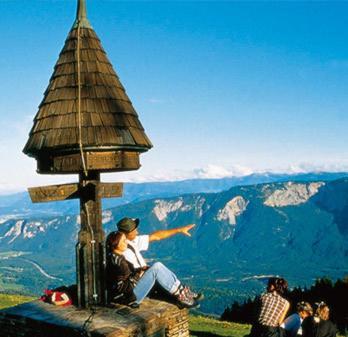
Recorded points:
85,102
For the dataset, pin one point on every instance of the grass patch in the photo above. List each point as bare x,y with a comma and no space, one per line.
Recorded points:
201,326
7,301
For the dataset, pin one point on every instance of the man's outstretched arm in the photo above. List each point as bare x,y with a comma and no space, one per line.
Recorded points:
167,233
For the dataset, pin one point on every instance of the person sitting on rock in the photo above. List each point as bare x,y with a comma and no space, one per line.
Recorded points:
272,310
129,285
293,324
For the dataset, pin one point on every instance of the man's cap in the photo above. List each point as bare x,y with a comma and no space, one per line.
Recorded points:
127,225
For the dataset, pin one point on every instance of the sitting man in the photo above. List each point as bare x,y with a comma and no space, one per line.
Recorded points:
137,243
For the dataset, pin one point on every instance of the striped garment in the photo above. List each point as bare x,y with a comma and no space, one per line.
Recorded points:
272,308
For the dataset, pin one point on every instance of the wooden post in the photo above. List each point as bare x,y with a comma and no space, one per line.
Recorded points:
90,256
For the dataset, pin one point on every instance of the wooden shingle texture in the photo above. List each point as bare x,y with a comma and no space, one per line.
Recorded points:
107,118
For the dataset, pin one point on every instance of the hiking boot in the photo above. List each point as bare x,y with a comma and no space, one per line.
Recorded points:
185,301
192,294
134,305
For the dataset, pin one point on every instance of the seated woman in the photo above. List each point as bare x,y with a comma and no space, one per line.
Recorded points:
272,310
293,324
319,325
129,286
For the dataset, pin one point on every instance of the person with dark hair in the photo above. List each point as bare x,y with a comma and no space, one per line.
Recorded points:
272,310
128,285
319,325
292,324
121,277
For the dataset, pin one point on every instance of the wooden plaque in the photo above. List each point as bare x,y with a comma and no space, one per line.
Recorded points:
97,161
110,190
53,193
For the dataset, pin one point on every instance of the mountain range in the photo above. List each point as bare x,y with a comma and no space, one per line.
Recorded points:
20,203
297,229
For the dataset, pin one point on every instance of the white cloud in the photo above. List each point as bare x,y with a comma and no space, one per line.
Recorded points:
313,167
215,172
20,179
209,172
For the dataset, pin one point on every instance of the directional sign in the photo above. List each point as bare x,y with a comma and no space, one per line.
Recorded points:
73,191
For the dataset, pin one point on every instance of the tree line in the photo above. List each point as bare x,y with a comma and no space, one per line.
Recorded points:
334,294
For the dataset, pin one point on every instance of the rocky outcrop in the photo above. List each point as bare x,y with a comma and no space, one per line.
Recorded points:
292,194
232,209
163,208
15,231
32,228
27,229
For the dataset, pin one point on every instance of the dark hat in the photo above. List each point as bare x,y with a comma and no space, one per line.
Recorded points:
127,225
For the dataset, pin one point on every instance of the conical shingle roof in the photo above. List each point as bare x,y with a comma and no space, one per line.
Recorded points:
85,103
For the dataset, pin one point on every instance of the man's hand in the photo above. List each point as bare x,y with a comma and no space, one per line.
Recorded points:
167,233
185,230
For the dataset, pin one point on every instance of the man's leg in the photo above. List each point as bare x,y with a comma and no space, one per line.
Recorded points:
160,273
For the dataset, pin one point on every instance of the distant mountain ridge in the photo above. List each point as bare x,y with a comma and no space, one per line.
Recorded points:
20,203
295,229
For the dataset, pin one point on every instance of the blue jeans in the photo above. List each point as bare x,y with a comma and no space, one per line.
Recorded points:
157,272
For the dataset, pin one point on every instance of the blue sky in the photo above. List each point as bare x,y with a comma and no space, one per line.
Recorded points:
221,87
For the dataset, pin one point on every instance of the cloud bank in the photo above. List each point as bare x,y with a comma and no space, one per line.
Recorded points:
211,171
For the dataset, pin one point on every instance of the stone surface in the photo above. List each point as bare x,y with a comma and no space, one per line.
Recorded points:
293,194
37,319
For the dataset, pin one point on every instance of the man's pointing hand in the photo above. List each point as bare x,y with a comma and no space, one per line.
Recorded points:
167,233
185,230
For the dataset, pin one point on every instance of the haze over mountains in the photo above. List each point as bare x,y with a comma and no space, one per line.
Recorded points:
20,203
295,226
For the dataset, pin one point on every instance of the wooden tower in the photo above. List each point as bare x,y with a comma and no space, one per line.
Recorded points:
85,125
